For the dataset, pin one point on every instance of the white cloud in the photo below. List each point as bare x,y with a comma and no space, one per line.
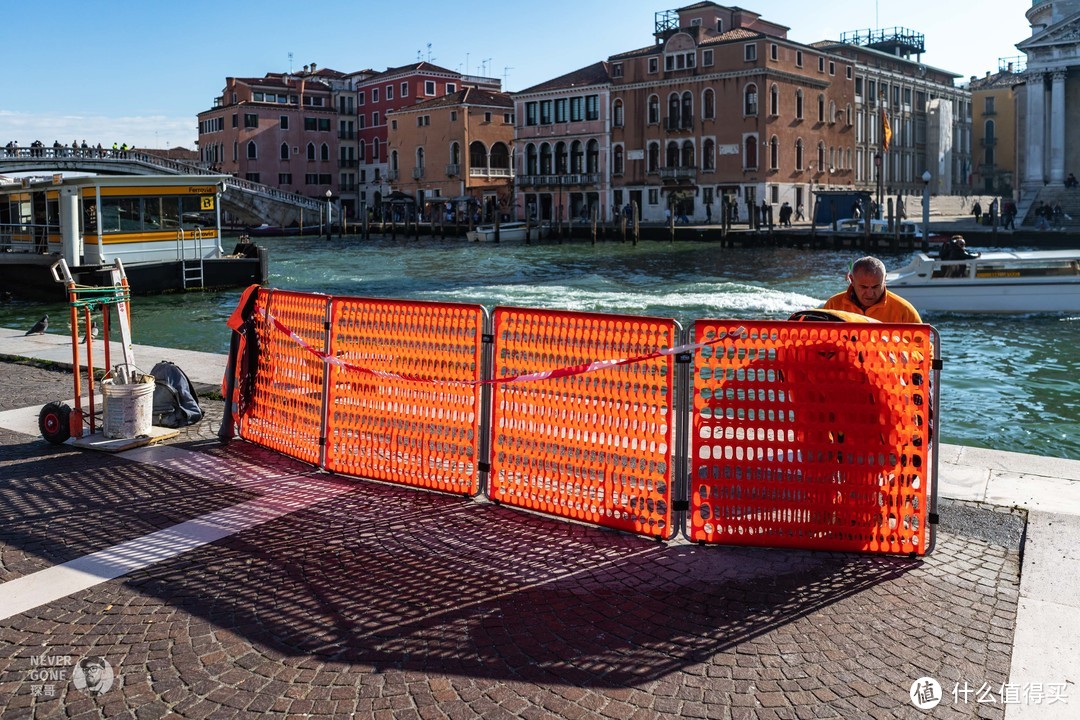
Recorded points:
146,131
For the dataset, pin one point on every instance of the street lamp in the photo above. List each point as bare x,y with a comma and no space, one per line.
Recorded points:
926,210
329,217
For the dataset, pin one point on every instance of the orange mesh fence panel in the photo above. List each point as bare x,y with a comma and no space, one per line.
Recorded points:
284,412
411,431
593,446
812,435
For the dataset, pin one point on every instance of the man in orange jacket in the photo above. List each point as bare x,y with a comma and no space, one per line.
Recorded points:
866,295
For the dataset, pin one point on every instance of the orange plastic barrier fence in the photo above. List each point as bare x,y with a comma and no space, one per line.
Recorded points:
387,427
813,435
596,446
284,413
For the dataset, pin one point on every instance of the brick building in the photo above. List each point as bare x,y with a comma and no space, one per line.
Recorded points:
723,105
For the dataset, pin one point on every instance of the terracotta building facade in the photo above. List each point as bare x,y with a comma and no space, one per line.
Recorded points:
454,149
724,108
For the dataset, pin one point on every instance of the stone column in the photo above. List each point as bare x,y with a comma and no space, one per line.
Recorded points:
1033,157
1057,128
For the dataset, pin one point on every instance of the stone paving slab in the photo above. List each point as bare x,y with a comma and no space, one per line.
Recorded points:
387,602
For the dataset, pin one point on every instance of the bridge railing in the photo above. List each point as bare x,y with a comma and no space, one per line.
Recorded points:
156,161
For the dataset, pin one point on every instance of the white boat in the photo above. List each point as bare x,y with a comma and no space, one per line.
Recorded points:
1042,281
508,232
909,231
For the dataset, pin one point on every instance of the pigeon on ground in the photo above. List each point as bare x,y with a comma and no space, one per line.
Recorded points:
39,327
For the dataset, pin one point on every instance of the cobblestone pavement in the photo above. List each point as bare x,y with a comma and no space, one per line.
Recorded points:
385,602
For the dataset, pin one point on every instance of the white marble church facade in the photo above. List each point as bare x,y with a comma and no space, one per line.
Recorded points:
1050,140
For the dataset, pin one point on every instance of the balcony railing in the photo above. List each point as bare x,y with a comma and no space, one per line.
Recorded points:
560,180
417,173
453,169
347,162
678,174
391,176
989,142
490,172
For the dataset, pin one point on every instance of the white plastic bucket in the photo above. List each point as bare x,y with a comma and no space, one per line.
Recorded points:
129,409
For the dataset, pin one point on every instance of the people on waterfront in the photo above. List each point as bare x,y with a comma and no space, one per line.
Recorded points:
800,216
867,295
976,210
1071,181
785,214
708,213
1008,215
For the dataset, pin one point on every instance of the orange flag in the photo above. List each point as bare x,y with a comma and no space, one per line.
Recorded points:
886,131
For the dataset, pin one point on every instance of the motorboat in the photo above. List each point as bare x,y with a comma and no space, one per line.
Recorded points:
1037,281
508,232
908,230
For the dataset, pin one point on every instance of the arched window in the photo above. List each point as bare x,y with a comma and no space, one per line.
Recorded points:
376,148
832,111
363,151
455,153
311,151
774,153
420,158
821,108
252,150
545,159
847,114
686,115
499,156
654,110
284,151
617,160
988,130
617,113
477,155
592,157
708,104
750,152
672,154
393,160
708,155
531,160
654,157
750,100
799,165
687,158
799,104
577,158
774,100
560,158
821,155
324,152
673,111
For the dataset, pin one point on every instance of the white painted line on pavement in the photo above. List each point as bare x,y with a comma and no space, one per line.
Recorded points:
45,586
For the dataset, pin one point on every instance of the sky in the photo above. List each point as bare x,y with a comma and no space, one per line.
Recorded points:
140,71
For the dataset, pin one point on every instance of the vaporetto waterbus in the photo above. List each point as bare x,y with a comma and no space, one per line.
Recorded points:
166,229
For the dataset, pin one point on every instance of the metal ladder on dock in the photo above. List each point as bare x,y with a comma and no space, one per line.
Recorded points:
191,269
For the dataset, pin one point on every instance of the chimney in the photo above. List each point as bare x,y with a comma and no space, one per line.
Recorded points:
312,67
987,73
973,78
1010,67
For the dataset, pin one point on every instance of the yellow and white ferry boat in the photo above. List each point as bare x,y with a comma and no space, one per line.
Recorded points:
165,229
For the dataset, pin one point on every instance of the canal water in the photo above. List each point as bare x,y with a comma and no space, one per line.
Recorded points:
1008,382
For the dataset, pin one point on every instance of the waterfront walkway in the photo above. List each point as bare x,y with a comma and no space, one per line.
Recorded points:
227,581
